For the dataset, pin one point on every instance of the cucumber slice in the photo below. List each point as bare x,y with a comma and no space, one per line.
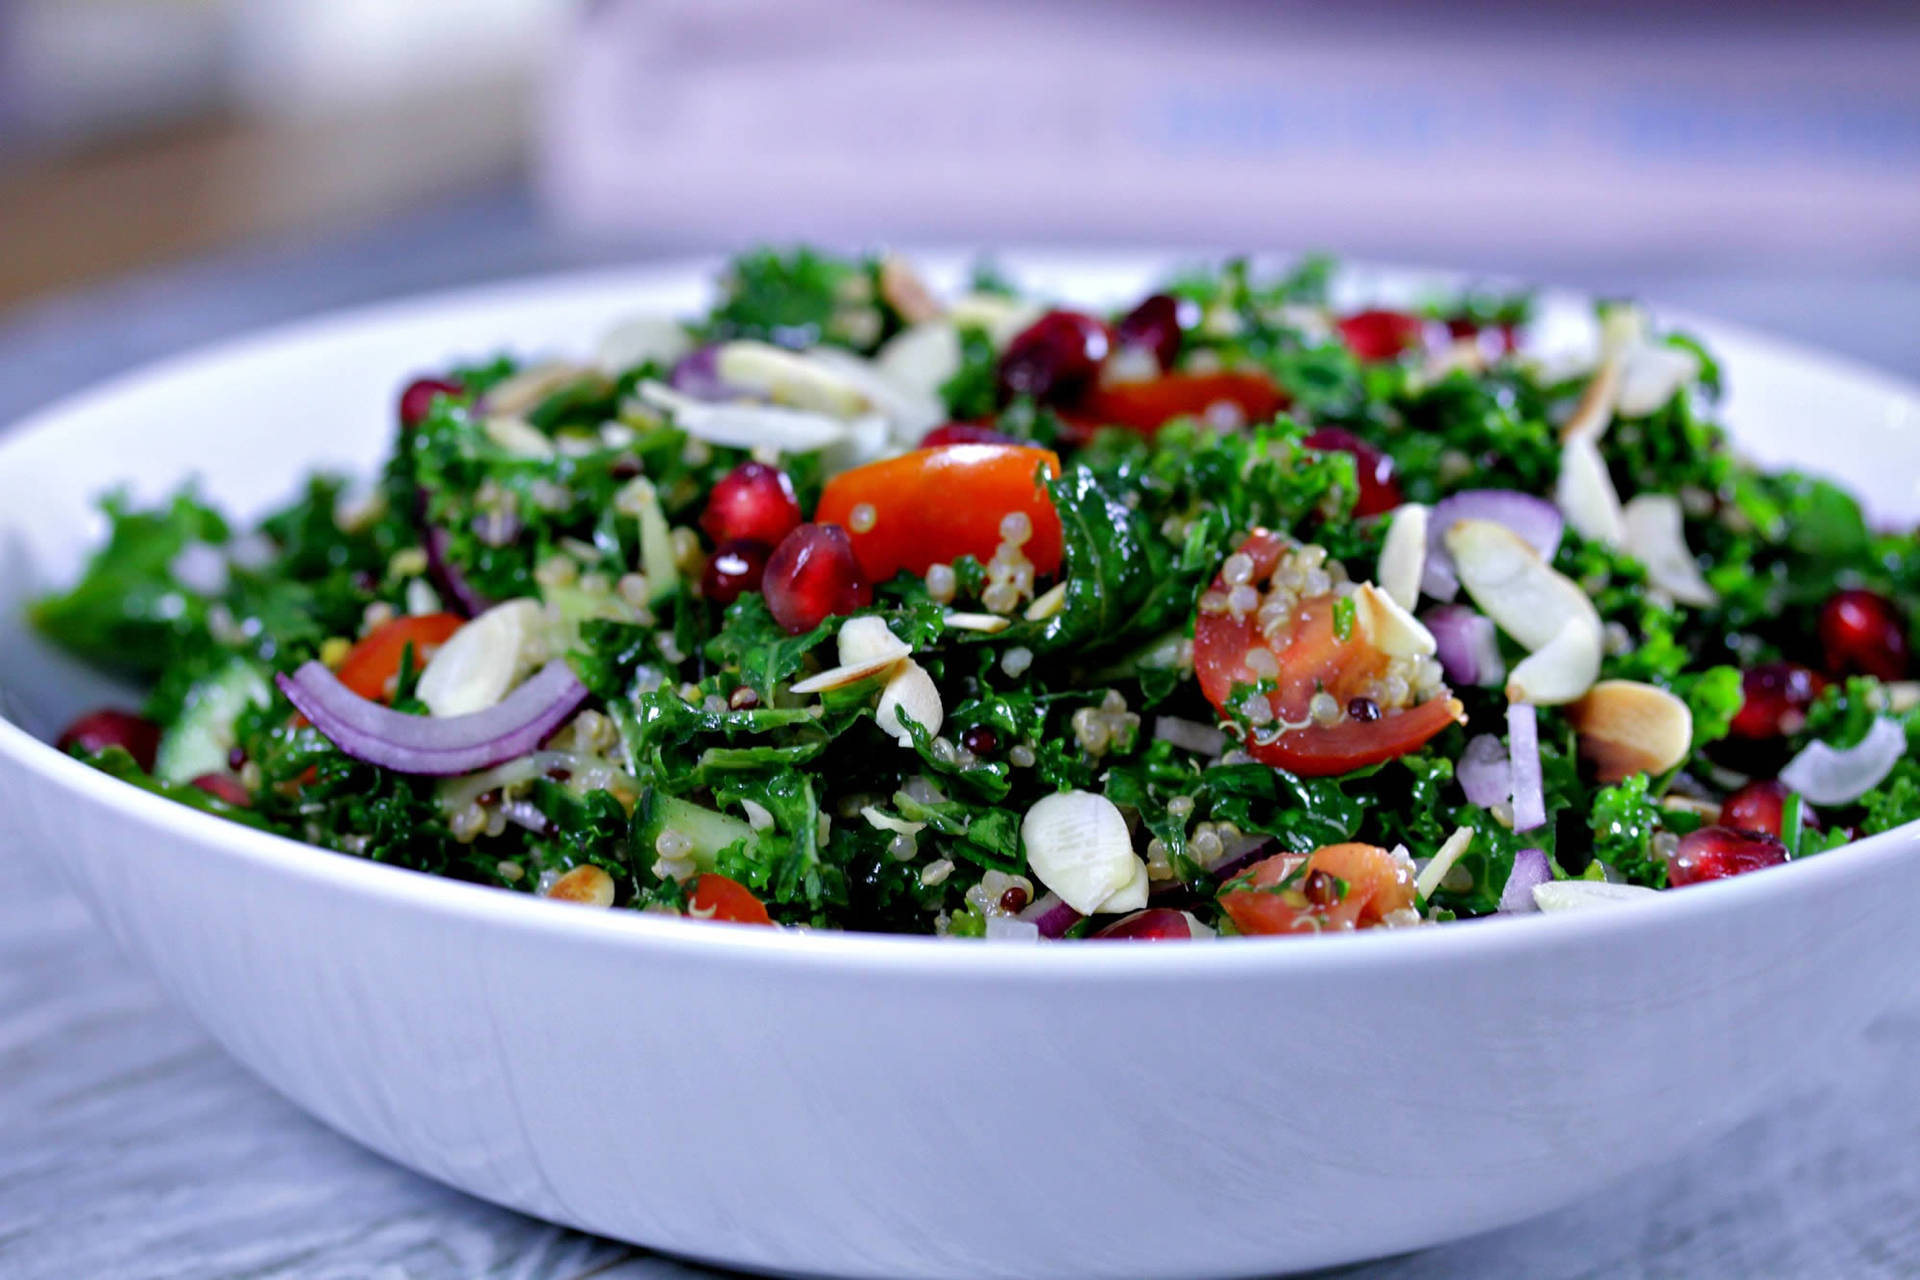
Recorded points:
709,830
199,740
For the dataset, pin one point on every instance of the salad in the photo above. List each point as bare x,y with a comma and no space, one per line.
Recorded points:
846,605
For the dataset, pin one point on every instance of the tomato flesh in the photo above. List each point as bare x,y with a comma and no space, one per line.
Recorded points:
1376,883
717,897
933,506
1311,657
371,666
1147,406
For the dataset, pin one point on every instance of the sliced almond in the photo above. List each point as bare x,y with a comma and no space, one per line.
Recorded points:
1580,895
1626,727
869,639
1706,810
790,378
910,692
587,885
903,290
747,426
1403,554
880,820
484,659
1652,374
846,674
989,623
1390,628
1077,845
518,436
659,339
1050,602
1585,493
1443,860
526,389
1525,596
921,358
1595,408
910,410
1001,316
1560,670
1656,534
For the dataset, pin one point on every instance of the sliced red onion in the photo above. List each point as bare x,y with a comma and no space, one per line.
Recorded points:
1467,645
1051,916
1190,735
435,746
1523,747
1484,771
1530,870
1155,924
447,576
1536,520
1241,852
697,374
1827,775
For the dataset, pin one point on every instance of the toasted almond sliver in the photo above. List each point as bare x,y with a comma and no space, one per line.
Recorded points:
1525,596
1050,602
587,885
1627,727
1585,493
1390,628
842,676
749,426
1595,409
880,821
1650,376
1560,670
1443,860
1403,554
910,691
789,378
1656,535
869,639
1580,895
990,623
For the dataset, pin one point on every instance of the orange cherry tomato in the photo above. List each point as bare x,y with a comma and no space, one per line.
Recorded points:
933,506
1309,656
371,666
717,897
1147,406
1375,884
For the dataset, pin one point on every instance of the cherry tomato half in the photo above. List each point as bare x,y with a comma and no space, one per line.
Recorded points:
1310,656
1147,406
933,506
1375,883
371,666
717,897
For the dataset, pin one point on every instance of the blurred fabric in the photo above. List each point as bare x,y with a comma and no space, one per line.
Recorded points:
1436,132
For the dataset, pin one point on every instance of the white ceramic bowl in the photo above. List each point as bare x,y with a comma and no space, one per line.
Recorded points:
908,1107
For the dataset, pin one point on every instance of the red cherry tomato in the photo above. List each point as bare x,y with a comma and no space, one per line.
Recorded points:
1375,884
98,730
1147,406
371,666
716,897
1382,335
933,506
1310,656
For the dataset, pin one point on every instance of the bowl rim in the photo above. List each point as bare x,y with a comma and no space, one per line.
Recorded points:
919,955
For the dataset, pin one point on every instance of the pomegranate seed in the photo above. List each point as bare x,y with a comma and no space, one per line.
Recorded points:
1055,359
1774,698
1758,806
1379,488
981,740
736,568
753,502
416,402
812,576
964,433
98,730
1382,335
1156,325
1863,632
1155,924
1714,853
223,786
1014,900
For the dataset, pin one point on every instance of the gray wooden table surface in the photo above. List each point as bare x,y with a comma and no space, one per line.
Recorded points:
131,1146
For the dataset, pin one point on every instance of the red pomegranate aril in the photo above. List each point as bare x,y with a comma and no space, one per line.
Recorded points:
1055,359
1382,335
224,786
1774,698
1155,924
1863,633
98,730
964,433
812,576
980,739
754,503
1379,485
735,568
1156,325
1714,853
1758,806
416,402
